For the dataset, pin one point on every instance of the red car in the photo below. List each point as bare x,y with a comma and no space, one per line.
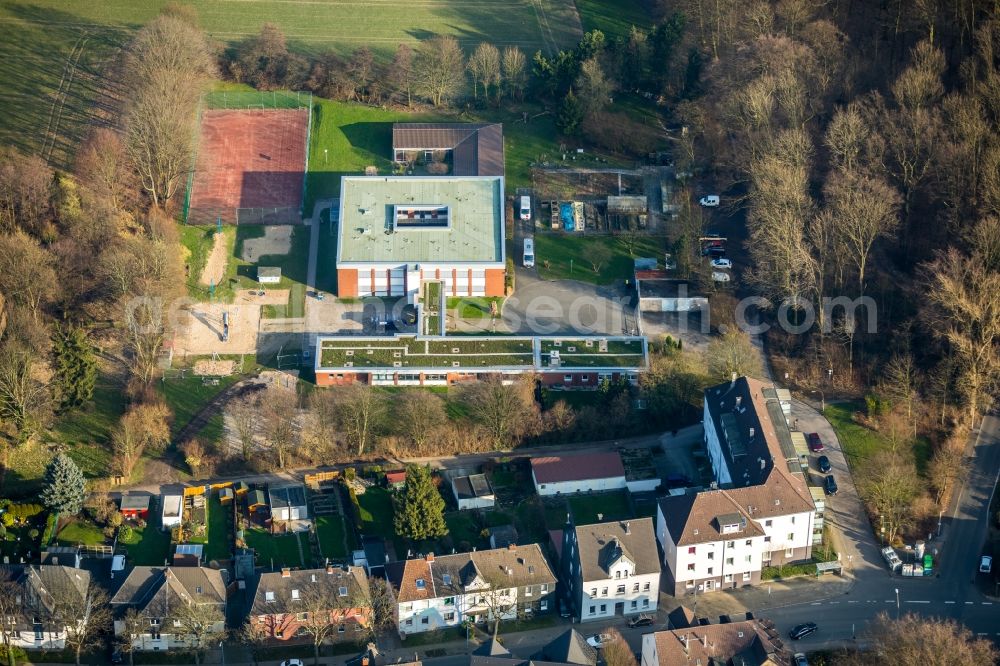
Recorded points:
815,443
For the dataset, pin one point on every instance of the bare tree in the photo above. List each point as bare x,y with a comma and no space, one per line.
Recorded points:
24,396
438,69
25,192
320,609
899,381
383,606
616,651
946,467
401,72
143,334
102,165
500,410
363,411
85,615
10,607
196,456
484,65
280,413
256,636
888,484
418,414
514,66
916,639
131,627
964,312
198,625
142,430
247,420
166,67
733,353
593,87
27,273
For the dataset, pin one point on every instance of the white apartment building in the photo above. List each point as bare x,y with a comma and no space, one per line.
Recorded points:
611,569
758,513
438,592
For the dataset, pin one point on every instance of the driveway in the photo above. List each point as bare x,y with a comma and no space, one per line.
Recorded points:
566,307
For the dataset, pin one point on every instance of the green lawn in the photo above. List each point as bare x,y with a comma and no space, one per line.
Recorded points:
187,396
613,18
281,551
565,256
52,105
93,422
861,443
330,532
473,307
17,543
149,546
80,531
377,512
28,462
220,530
611,506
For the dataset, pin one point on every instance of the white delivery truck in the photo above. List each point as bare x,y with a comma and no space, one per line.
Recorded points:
529,253
525,213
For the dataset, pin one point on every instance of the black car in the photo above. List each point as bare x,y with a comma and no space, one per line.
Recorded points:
800,631
640,621
823,463
830,485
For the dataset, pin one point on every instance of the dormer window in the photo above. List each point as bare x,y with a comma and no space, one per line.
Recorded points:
730,528
421,585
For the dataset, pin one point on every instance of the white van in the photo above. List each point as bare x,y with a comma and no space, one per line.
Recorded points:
526,208
529,253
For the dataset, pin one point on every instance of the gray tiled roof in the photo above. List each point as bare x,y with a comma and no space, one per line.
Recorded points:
636,537
159,588
330,580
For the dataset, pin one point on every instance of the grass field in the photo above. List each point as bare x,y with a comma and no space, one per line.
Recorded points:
282,551
187,396
80,531
54,54
564,256
330,532
860,443
376,512
614,19
220,530
148,546
610,506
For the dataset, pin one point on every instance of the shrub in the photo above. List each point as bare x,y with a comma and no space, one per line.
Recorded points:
140,523
437,169
3,532
355,507
114,519
23,512
350,473
125,534
50,528
7,519
33,533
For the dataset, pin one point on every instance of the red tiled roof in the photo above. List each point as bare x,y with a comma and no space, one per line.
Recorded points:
553,469
395,477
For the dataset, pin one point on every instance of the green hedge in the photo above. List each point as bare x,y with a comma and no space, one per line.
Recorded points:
355,507
50,528
788,571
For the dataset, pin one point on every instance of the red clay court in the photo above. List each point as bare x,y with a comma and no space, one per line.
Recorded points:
250,167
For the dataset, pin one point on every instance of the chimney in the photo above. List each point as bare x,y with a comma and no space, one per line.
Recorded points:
510,571
364,660
777,502
429,557
626,526
600,517
685,639
329,569
733,378
512,547
752,431
704,640
286,572
763,464
739,399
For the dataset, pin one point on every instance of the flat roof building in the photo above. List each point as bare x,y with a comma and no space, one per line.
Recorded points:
398,231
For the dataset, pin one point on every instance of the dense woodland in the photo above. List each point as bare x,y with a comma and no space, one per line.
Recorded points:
855,143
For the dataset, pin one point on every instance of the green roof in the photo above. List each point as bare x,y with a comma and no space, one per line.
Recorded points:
369,232
473,352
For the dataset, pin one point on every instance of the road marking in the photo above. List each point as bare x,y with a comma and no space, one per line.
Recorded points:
949,602
968,603
987,603
816,603
915,602
890,601
852,602
834,602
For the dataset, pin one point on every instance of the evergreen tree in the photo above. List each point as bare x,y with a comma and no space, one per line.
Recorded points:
570,114
75,366
65,486
419,507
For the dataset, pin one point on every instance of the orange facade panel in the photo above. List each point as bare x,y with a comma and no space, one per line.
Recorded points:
494,281
347,282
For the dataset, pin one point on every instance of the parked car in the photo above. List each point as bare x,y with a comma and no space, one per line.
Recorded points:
823,463
564,609
830,485
719,276
985,564
815,443
710,201
292,662
116,655
525,212
800,659
722,263
800,631
640,621
597,641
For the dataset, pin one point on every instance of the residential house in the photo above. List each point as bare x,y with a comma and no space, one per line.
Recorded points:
474,149
135,506
288,502
157,592
473,492
739,643
588,472
568,649
283,600
610,569
50,598
436,592
759,512
171,514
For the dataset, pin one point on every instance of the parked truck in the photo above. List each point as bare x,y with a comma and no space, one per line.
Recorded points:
891,558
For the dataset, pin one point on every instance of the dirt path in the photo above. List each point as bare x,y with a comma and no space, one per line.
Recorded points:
200,420
215,267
